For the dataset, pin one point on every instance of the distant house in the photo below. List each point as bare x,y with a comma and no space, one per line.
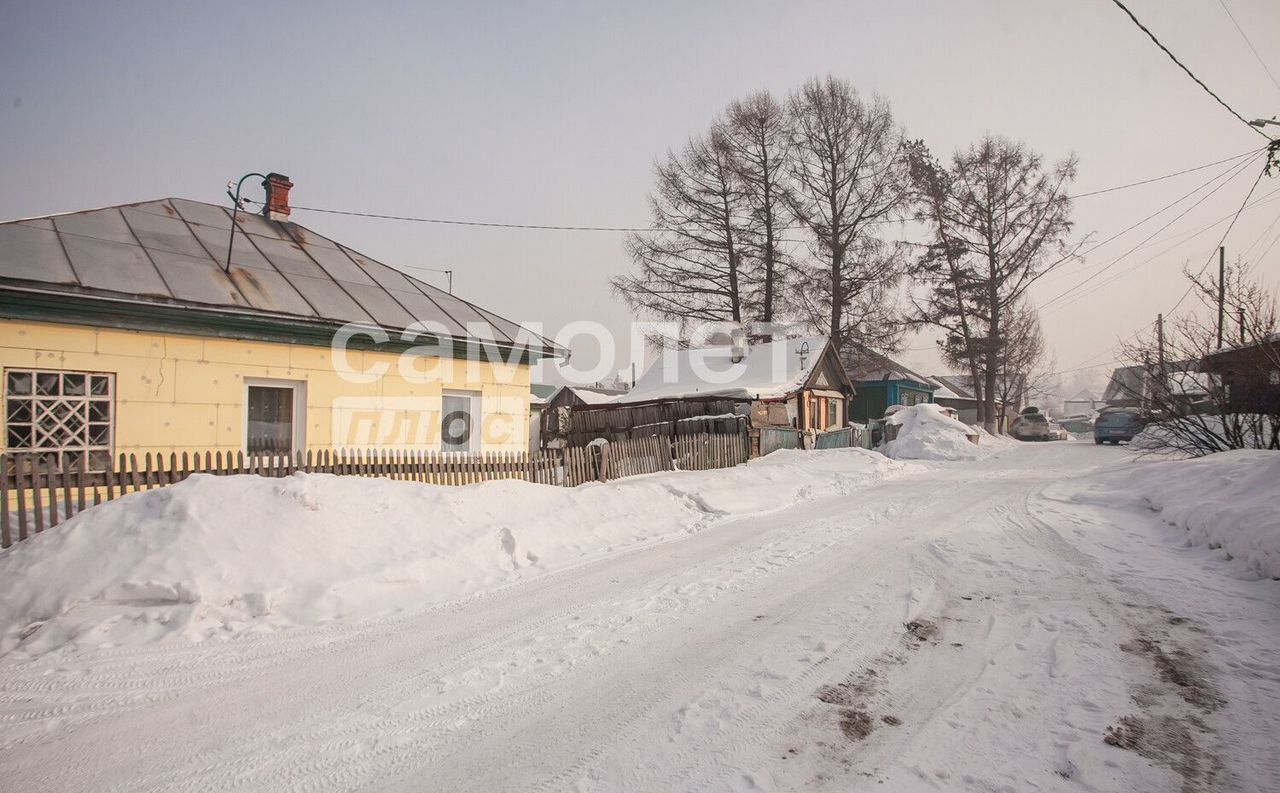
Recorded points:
1084,403
1139,386
1249,375
133,329
881,382
1129,387
794,384
563,399
956,392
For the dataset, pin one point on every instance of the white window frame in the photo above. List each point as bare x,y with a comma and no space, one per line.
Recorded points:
299,388
476,418
85,449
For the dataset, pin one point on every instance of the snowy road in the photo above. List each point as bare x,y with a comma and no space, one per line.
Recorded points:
977,626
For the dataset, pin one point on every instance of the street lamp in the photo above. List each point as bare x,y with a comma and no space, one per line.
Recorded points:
235,198
1262,122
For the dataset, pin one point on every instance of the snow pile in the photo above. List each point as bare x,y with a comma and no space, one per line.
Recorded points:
1229,500
926,432
1189,435
215,557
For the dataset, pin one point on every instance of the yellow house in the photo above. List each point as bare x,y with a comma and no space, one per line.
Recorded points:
154,327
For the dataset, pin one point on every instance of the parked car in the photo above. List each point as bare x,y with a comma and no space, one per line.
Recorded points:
1081,422
1033,427
1116,424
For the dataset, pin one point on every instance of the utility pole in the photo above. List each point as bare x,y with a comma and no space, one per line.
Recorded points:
1222,291
1160,341
1242,327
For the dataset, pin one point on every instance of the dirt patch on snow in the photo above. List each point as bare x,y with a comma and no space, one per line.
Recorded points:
922,630
1171,728
855,723
1171,741
1187,671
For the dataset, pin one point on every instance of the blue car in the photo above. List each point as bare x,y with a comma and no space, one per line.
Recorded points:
1116,424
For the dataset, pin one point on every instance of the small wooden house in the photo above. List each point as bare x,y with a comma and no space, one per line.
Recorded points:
882,382
1250,375
791,385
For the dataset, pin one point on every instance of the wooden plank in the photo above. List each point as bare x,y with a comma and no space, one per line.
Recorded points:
81,500
6,538
20,480
68,479
35,492
134,477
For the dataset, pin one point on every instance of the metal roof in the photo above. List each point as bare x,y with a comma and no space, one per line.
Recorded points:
174,252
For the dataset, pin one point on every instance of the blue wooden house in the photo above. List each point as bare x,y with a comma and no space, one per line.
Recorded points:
881,382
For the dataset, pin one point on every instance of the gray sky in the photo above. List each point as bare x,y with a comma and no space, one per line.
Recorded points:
534,113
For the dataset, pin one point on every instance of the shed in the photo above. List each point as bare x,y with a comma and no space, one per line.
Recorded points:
1250,375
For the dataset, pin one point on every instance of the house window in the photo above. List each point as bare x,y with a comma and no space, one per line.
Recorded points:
459,430
275,417
67,416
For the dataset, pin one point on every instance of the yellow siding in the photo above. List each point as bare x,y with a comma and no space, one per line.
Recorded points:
187,393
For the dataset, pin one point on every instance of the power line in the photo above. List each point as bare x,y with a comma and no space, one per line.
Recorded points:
1230,226
1230,174
1252,49
1184,68
647,229
1152,258
1167,176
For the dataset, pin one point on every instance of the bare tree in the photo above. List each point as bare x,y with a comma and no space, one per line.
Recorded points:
849,173
1021,376
755,132
1008,218
1197,405
691,267
942,268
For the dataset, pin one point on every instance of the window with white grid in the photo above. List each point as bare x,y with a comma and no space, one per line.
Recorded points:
67,416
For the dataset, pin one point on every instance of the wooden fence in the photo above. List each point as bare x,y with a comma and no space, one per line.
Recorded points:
35,493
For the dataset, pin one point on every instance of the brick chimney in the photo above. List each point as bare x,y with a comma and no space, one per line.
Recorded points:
277,205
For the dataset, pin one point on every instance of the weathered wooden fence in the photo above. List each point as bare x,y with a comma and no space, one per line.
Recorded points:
36,493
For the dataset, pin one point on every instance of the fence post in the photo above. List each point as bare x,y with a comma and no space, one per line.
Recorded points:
604,462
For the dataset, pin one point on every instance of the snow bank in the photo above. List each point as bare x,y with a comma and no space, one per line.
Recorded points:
1229,500
927,433
216,557
1165,437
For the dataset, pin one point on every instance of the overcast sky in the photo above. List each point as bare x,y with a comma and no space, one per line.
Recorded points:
553,113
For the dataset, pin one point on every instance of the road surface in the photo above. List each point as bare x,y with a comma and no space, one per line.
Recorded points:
978,626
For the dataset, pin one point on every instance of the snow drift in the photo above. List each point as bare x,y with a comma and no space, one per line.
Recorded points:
1229,500
217,557
926,432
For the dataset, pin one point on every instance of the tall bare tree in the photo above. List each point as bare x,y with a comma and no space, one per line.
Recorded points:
942,268
1008,218
755,131
1021,373
691,267
849,172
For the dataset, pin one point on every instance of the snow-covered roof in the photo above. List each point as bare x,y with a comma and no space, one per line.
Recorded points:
952,386
541,393
767,371
942,392
594,397
870,367
1084,395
